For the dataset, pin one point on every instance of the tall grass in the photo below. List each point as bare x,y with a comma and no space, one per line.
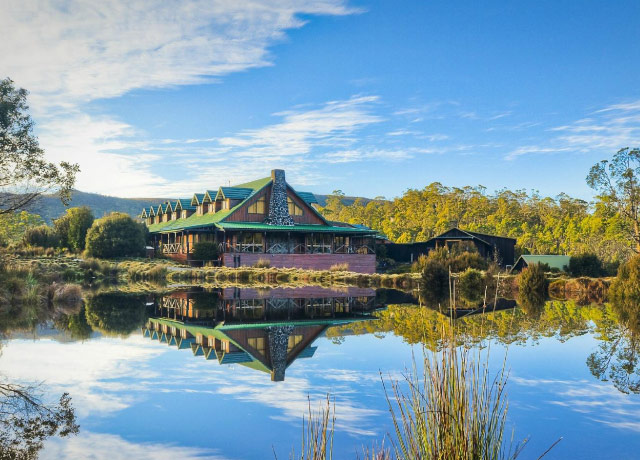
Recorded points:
317,434
453,409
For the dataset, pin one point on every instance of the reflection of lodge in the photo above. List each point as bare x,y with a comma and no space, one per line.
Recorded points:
263,331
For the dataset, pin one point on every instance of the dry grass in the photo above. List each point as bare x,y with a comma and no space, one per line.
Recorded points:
343,267
262,263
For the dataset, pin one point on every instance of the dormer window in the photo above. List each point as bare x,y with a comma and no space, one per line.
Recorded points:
257,207
183,214
294,209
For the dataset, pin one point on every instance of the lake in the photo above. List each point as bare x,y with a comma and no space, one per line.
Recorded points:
229,372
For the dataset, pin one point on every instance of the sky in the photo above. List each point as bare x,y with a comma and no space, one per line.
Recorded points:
162,98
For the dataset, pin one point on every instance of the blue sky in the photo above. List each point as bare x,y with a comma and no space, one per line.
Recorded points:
164,98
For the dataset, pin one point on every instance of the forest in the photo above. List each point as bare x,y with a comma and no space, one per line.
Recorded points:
541,225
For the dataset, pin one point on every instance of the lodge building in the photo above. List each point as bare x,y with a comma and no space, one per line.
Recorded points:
263,219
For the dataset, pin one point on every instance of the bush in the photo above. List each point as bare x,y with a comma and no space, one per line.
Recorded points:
625,294
262,263
470,285
205,250
586,265
466,260
532,289
79,223
435,281
116,235
41,236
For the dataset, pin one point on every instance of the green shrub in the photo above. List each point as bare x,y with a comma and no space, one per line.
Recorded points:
466,260
41,236
205,250
470,285
116,235
532,289
435,281
586,265
79,223
625,293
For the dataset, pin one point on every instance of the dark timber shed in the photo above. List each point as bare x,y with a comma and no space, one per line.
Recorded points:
489,246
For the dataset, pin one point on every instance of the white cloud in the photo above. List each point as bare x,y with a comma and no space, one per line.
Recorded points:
105,376
100,446
71,52
89,370
605,130
599,401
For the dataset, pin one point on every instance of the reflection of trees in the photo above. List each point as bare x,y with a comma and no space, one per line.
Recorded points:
617,358
26,422
115,312
415,324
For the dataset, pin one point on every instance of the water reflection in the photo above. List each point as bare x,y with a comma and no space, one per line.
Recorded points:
265,330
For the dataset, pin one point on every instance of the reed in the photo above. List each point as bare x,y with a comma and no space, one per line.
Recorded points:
317,433
453,409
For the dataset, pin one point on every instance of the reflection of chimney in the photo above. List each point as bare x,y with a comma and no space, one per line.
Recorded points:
278,206
278,344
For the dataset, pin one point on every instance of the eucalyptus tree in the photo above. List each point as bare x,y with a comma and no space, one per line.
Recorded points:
618,182
25,173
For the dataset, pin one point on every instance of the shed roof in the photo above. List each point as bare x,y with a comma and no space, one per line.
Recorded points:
553,261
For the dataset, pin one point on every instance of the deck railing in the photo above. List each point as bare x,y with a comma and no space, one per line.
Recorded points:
171,248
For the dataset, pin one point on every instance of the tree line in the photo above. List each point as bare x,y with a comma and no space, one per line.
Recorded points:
608,226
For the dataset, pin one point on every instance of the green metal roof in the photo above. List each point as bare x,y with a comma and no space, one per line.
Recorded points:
235,193
256,184
286,228
185,203
198,197
155,228
308,197
193,221
553,261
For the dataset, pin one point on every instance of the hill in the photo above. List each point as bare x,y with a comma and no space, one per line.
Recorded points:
50,207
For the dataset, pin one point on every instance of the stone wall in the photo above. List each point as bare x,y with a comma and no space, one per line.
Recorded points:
360,263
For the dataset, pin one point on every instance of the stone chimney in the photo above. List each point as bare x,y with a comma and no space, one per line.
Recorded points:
278,206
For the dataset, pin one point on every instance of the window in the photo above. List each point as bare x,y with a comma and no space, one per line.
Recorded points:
211,207
184,214
225,204
294,340
294,209
257,343
257,207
